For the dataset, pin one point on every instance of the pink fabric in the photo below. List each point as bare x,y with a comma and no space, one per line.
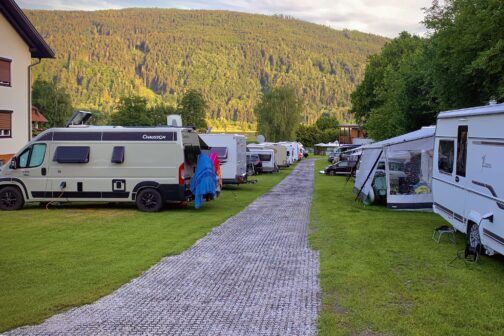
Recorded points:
216,163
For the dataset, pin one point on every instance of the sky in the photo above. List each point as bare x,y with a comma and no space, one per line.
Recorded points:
382,17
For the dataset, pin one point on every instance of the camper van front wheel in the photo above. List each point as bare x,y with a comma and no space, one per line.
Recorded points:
11,198
149,200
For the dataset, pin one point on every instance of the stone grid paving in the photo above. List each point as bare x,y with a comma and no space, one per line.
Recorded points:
253,275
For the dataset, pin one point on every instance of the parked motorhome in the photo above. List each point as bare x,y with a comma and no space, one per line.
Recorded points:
468,179
267,157
289,152
148,166
294,149
231,149
281,159
254,164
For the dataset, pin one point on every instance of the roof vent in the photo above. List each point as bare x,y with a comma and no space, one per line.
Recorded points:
492,102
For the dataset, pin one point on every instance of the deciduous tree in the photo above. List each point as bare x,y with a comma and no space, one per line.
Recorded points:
278,114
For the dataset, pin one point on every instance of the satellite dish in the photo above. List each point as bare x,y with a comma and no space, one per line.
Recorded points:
260,138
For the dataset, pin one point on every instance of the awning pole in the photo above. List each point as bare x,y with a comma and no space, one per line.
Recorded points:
370,172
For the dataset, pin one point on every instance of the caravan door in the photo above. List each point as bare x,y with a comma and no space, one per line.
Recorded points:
448,195
461,172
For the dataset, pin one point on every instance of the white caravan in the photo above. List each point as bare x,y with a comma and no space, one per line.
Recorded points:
294,150
231,149
468,182
267,157
289,153
148,166
280,152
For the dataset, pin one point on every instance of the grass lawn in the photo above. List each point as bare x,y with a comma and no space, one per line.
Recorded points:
51,260
381,273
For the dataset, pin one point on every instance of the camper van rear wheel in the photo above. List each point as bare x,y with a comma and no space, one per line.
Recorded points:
473,237
11,199
149,200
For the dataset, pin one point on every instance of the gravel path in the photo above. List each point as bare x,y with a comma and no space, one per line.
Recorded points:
253,275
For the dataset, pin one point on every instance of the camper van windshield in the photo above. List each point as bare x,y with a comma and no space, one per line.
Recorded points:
265,157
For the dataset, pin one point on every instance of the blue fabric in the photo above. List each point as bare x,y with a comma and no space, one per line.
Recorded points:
203,180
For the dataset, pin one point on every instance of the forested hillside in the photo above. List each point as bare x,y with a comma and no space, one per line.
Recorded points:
230,57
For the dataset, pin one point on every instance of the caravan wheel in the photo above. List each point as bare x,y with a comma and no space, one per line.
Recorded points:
149,200
11,199
473,238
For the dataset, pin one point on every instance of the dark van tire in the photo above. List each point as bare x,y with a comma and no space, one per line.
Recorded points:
149,200
11,198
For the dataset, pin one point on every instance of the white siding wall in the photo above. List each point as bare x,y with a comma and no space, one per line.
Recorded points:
16,97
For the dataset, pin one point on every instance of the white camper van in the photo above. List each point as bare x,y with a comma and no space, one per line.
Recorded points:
468,184
231,149
280,152
293,151
148,166
267,157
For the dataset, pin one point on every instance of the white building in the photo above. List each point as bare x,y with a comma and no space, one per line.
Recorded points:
19,43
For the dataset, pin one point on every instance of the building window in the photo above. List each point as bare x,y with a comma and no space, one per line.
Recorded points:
5,124
5,72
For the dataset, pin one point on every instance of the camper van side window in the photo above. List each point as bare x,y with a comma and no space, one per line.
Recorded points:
461,150
118,154
23,158
72,154
37,155
446,153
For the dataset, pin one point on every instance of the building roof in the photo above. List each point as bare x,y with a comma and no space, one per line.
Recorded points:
37,116
38,47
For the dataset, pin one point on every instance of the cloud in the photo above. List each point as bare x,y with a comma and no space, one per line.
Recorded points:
383,17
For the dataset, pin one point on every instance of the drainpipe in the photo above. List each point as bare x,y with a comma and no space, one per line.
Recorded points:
30,98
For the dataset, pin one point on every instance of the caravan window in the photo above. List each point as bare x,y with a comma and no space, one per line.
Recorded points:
222,152
446,153
265,157
118,154
461,150
72,154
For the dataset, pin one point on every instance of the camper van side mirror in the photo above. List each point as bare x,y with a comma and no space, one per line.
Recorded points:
13,163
